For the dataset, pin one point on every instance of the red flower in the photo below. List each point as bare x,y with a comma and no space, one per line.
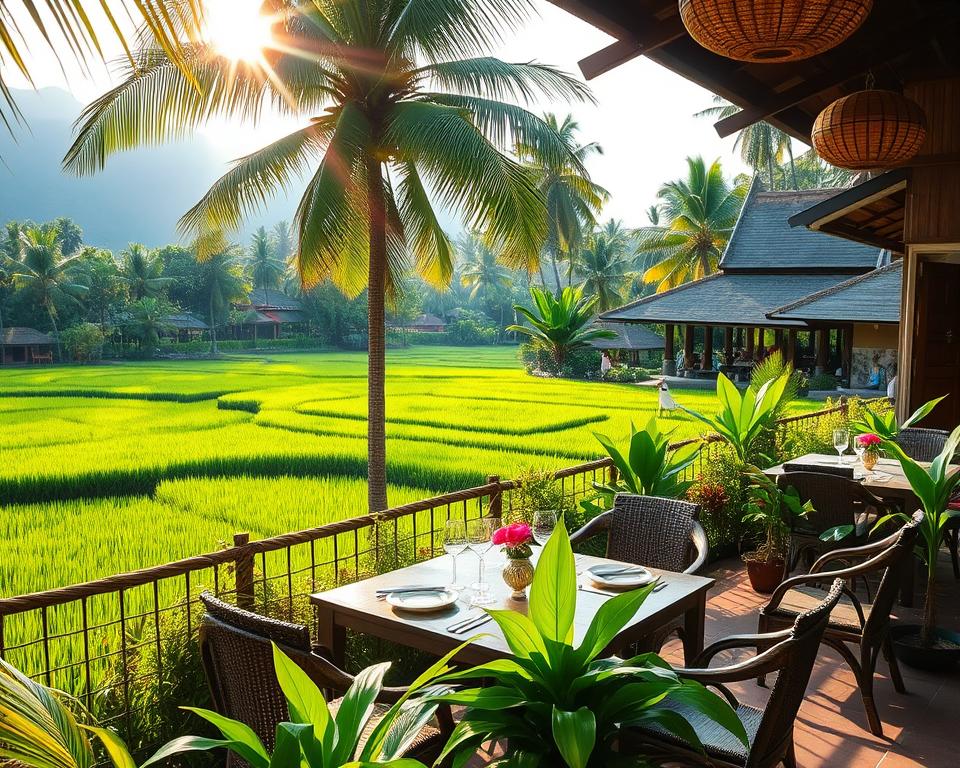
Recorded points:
869,440
513,535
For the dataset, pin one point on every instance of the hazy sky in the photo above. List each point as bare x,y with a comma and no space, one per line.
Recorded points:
643,119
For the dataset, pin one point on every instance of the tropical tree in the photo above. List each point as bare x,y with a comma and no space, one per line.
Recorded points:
815,173
265,268
142,272
400,99
487,280
44,268
282,241
573,200
221,276
100,274
148,320
698,214
605,265
561,325
762,146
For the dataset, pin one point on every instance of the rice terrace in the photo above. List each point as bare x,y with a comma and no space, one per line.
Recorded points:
117,467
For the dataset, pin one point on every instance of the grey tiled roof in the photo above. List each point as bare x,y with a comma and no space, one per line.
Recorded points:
870,298
727,299
23,337
187,322
764,239
270,298
630,336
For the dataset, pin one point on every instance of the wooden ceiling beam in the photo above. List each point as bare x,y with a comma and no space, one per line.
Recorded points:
861,236
656,35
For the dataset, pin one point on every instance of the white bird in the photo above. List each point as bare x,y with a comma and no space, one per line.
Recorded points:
665,401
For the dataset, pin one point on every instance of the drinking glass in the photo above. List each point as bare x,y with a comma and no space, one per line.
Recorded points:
544,521
858,448
454,543
841,439
480,540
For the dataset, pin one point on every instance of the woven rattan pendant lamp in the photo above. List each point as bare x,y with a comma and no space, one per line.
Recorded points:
772,30
869,130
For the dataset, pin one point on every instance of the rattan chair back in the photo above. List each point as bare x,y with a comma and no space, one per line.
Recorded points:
894,561
651,531
922,444
836,500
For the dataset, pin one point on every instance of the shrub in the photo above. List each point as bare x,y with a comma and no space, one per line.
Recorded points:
538,489
469,332
623,374
720,490
581,364
83,342
816,436
823,382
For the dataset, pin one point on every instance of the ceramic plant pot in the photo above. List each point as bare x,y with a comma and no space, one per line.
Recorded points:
765,576
518,575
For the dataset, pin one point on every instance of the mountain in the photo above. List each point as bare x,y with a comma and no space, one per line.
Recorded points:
138,197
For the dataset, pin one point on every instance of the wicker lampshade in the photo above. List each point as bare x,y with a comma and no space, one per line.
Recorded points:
772,30
869,130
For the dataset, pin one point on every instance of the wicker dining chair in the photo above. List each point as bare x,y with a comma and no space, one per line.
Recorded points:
861,624
653,532
237,655
790,654
836,501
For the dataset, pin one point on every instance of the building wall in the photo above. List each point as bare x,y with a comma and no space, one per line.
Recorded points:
873,342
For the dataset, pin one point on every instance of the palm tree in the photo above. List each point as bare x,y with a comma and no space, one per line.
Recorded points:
140,271
560,324
483,275
148,319
221,276
762,146
44,268
394,109
573,200
699,212
265,268
102,278
282,241
606,266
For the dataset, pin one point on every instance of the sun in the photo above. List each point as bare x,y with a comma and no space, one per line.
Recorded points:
237,29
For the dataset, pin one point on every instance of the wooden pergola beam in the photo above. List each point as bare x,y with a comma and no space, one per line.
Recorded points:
624,50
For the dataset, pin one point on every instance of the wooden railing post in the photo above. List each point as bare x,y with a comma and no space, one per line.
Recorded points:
495,508
613,474
244,572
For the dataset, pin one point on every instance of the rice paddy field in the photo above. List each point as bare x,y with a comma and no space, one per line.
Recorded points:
115,467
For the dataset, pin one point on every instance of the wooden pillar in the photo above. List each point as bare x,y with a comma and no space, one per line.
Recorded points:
778,339
823,350
750,340
706,363
847,356
728,346
790,355
687,344
669,367
761,343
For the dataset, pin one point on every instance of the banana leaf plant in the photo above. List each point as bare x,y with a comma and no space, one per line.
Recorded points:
38,730
884,424
744,417
563,704
649,467
933,486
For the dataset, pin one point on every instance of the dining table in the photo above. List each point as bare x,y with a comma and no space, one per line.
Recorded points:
886,481
678,597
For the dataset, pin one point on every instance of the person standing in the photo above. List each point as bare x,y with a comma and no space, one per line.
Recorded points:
605,363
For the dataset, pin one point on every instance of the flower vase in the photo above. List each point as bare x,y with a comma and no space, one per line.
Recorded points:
870,459
518,575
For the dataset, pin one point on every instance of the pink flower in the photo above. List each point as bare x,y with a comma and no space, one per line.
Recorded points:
513,535
869,440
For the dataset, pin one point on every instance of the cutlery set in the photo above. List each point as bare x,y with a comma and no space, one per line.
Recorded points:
473,621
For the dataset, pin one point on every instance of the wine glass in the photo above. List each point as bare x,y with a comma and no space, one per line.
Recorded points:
454,543
841,440
858,448
544,521
480,540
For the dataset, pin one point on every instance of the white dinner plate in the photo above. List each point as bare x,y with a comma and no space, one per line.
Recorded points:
423,602
599,575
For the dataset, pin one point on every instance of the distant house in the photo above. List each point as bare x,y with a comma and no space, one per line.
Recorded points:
425,323
25,346
632,340
184,326
269,312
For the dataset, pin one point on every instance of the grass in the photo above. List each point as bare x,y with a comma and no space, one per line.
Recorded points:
112,468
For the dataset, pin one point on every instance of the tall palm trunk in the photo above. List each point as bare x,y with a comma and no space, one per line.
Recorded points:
52,313
213,328
376,346
793,165
556,271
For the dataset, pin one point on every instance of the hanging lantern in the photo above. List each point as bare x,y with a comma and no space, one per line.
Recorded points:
868,130
772,30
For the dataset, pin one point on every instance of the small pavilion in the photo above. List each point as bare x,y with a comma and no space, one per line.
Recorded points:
632,341
25,346
767,266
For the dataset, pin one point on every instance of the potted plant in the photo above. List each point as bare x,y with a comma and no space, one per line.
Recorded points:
515,540
773,510
559,704
928,646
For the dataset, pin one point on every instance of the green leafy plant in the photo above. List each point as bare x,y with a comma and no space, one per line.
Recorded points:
773,510
884,423
560,704
720,490
933,486
744,418
560,324
649,468
538,489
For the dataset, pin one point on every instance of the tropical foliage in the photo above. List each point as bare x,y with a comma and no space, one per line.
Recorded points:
774,511
606,265
560,704
141,271
883,422
409,102
697,215
266,268
561,325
